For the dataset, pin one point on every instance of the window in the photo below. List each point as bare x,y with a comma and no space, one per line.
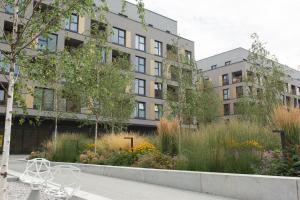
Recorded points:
188,56
226,94
239,91
174,73
73,106
158,90
293,90
158,48
140,110
227,63
139,87
140,64
213,67
140,43
225,79
226,109
237,77
47,43
158,69
172,51
2,96
158,111
295,102
288,101
97,27
118,36
72,23
43,99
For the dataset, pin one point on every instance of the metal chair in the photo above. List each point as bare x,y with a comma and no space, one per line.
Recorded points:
64,184
37,171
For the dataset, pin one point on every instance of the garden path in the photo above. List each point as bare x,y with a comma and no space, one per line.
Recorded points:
118,189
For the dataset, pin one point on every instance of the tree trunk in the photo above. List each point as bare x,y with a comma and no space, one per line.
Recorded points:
9,109
96,135
56,118
7,135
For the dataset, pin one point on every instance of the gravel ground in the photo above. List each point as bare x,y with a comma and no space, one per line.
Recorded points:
18,191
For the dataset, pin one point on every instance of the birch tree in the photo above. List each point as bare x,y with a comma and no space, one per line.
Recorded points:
264,85
27,27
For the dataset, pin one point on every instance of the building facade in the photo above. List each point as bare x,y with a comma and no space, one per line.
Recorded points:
146,49
227,70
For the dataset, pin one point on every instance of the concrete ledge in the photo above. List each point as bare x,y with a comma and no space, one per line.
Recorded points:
244,187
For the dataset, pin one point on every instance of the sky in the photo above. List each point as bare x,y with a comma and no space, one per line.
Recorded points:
221,25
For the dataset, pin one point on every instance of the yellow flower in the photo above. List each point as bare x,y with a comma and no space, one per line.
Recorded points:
143,147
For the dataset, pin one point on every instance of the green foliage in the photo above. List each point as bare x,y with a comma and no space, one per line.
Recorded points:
207,102
264,85
68,147
276,163
168,133
234,147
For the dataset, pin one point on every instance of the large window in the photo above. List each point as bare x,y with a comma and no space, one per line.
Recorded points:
158,90
118,36
158,48
158,69
237,77
140,42
47,43
140,110
158,111
72,23
226,94
188,56
140,64
239,91
140,87
226,109
225,79
43,99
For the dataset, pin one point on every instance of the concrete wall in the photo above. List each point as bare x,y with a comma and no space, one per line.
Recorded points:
243,187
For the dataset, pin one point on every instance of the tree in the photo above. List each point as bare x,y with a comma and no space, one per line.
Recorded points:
25,31
101,85
264,83
32,19
207,101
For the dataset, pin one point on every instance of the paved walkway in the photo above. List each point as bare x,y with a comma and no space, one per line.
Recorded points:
118,189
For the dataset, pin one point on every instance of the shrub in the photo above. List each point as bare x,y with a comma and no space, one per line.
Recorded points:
234,147
154,160
121,158
168,132
90,157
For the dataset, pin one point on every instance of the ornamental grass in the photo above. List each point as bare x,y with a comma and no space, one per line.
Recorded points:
233,147
117,142
288,120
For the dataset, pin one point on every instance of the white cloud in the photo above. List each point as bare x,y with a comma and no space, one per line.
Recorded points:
220,25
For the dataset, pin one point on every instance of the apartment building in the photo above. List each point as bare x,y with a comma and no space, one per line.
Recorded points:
227,70
146,49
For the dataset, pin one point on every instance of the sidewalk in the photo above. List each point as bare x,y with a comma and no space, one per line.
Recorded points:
118,189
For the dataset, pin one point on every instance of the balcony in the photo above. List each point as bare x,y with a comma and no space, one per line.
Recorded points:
237,77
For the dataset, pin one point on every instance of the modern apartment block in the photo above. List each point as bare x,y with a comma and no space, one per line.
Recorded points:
146,49
226,71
